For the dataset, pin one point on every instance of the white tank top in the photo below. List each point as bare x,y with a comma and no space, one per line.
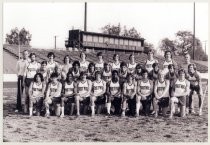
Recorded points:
51,66
99,66
84,65
69,88
165,66
98,87
32,69
82,87
37,89
131,67
161,87
76,75
53,89
148,65
180,86
145,87
129,88
107,76
114,87
115,66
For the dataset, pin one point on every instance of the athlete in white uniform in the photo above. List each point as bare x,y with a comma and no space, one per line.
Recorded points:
144,93
36,93
115,65
53,95
138,72
132,64
168,60
84,87
107,73
98,90
161,92
51,63
129,92
123,72
66,66
100,63
113,93
195,86
28,77
83,62
68,92
179,92
150,60
76,70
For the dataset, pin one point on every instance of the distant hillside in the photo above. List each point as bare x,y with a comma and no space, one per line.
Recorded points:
11,56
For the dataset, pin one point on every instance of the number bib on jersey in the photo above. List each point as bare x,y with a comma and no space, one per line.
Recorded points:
145,87
180,87
69,88
37,89
97,87
83,87
114,87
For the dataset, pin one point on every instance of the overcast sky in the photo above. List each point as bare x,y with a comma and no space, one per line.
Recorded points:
154,21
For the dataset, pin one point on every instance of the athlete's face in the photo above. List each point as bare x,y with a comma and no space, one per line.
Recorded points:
92,68
58,69
191,69
124,68
84,77
132,58
83,56
54,80
44,66
115,76
161,76
145,75
98,77
33,58
150,55
168,56
138,70
116,58
130,79
51,57
156,68
70,78
187,58
67,59
25,54
171,70
76,67
182,75
38,79
100,57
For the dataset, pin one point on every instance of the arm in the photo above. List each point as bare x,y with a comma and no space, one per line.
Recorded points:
30,90
187,89
58,93
124,89
43,89
134,92
155,91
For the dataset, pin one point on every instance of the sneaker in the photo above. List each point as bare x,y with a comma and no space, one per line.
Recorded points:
47,115
170,117
200,113
152,113
187,111
62,115
136,115
92,115
16,110
123,114
156,115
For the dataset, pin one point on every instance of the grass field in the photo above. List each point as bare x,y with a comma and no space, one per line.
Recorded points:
21,128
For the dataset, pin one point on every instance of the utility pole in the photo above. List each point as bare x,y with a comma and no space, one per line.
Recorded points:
194,32
55,41
205,45
85,21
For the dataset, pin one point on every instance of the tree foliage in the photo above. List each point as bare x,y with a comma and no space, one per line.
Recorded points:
22,37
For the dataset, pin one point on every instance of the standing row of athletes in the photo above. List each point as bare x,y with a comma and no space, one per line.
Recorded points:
115,84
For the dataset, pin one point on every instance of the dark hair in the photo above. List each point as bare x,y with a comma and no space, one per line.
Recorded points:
44,62
76,62
170,66
40,75
131,56
130,75
150,50
194,66
106,64
115,55
54,75
25,51
139,66
51,54
181,70
67,76
186,54
31,54
114,71
123,64
167,51
97,73
91,64
99,54
82,53
154,65
144,71
83,73
65,58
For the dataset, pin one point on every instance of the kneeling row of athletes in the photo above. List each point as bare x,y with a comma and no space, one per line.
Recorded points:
143,93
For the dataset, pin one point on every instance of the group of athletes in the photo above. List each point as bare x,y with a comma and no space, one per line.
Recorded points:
122,87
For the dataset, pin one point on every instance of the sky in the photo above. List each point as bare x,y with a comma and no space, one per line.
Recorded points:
154,21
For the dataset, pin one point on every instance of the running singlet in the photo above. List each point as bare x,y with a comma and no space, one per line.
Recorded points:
51,66
82,87
107,76
131,67
114,87
68,88
44,74
84,65
193,78
165,66
54,89
37,89
99,66
98,87
180,86
75,74
32,69
129,88
148,65
115,66
161,87
145,87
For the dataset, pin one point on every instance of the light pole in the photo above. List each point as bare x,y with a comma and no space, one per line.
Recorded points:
194,31
55,40
18,45
205,45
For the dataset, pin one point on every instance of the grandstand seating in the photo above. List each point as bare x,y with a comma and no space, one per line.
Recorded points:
74,55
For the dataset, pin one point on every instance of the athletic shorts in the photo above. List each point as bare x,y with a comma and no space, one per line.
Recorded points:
111,98
163,102
36,100
100,100
180,100
86,100
196,88
56,100
69,99
28,82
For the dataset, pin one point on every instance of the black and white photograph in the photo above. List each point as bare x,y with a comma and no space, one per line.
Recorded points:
105,71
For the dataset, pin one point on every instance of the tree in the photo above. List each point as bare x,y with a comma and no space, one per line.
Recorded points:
167,44
114,30
22,37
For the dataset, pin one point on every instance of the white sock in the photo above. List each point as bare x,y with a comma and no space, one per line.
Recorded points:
108,107
93,109
30,111
137,108
48,111
62,110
